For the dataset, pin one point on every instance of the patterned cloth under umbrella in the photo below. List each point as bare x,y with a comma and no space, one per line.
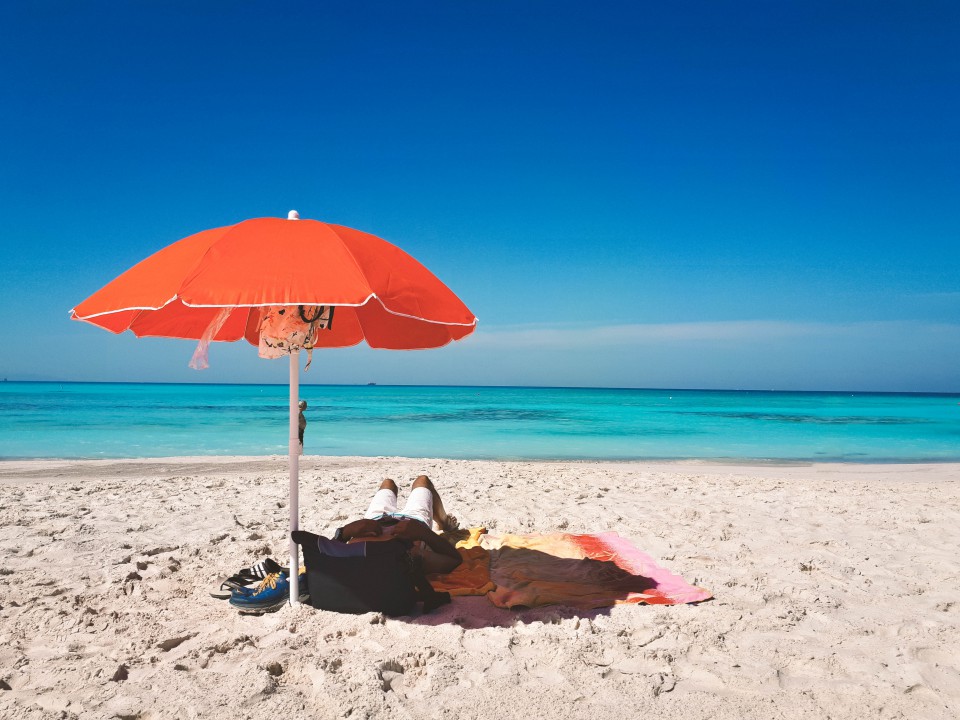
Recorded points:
285,286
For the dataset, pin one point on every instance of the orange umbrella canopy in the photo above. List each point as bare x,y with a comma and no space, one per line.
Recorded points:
381,294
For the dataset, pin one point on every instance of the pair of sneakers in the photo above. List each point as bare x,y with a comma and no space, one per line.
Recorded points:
270,594
246,577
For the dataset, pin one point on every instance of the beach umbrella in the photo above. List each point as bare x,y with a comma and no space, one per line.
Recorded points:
285,286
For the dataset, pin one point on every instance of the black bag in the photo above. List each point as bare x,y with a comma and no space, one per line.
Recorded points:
365,577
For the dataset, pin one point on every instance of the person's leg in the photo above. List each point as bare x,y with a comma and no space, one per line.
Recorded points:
388,484
436,509
384,501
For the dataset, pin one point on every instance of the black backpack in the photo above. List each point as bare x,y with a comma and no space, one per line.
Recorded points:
366,576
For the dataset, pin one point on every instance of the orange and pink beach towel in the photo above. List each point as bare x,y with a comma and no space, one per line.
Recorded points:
583,571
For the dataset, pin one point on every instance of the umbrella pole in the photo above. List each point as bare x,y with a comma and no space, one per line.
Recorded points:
294,474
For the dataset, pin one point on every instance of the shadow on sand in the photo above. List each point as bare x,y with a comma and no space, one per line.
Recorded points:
562,588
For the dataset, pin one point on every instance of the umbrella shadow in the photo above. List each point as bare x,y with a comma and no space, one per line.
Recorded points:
477,612
561,588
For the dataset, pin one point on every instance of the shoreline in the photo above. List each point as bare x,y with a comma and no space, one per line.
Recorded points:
834,593
708,463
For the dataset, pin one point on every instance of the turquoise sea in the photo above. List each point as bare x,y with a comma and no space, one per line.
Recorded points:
114,420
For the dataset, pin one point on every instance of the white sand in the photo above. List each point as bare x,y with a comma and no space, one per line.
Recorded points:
835,595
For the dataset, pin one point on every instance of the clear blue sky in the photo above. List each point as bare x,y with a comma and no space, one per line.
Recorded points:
639,194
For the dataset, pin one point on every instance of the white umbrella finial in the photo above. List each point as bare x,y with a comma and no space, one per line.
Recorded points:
293,215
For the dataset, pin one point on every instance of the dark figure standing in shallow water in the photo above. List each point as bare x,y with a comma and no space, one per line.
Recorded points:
303,422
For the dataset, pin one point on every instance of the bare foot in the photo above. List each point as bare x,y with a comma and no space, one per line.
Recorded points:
450,523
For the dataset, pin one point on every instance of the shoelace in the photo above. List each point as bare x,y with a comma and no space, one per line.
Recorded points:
270,580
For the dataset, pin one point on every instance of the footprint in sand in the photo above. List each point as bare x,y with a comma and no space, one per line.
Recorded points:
391,676
940,670
407,676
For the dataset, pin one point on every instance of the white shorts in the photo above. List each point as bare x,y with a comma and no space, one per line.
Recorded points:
419,506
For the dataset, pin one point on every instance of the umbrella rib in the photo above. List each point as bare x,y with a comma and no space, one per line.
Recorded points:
363,274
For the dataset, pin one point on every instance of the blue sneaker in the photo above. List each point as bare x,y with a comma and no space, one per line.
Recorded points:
271,594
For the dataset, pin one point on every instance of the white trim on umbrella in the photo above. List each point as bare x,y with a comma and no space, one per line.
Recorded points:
73,311
372,296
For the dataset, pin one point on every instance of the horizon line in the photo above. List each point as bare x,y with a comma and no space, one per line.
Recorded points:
948,393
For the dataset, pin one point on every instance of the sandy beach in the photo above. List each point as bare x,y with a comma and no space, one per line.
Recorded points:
835,594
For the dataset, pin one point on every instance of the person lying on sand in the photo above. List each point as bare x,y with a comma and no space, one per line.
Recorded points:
414,522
